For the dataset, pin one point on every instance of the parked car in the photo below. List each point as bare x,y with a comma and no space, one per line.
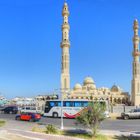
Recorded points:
28,117
30,109
10,110
106,113
1,108
134,113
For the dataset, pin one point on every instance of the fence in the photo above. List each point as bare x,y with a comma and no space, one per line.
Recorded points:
121,108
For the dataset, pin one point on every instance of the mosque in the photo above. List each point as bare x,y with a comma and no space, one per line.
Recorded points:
88,89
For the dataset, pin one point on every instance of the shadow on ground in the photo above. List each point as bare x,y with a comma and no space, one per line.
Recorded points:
126,138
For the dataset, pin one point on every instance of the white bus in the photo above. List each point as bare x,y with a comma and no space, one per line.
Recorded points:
71,108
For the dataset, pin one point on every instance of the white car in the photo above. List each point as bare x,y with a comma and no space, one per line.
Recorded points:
106,113
133,114
31,110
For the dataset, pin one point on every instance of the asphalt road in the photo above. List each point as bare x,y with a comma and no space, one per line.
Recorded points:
121,125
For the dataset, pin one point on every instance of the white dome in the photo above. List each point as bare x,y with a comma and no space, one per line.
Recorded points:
88,80
77,87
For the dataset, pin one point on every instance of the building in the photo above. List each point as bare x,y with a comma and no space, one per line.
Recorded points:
135,90
3,101
88,89
23,101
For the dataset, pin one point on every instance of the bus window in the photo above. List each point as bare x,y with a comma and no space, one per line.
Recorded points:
68,103
84,104
77,104
81,104
47,104
59,104
52,104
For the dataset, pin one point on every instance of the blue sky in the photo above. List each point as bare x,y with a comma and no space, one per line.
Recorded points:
30,35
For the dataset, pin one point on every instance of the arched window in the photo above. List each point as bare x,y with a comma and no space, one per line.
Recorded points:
65,83
115,100
138,87
65,35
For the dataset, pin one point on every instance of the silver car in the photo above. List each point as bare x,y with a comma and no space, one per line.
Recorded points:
134,113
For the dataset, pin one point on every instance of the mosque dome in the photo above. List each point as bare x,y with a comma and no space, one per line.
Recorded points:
88,80
115,88
77,87
92,87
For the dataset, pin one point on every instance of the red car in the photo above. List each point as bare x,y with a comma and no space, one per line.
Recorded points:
28,117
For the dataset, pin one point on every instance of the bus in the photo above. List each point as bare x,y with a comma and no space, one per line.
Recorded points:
71,108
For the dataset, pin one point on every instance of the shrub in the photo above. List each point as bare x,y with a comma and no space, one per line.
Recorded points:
2,122
50,129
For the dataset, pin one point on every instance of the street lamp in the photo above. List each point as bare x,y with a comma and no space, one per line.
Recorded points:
62,124
61,98
62,121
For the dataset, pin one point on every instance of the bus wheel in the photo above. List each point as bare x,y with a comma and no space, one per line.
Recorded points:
55,114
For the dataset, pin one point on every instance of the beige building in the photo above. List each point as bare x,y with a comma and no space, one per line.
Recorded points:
135,90
88,90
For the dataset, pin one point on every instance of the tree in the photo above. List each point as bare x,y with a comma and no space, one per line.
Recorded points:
91,116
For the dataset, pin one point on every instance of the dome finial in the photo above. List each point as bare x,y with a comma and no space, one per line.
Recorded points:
135,21
65,2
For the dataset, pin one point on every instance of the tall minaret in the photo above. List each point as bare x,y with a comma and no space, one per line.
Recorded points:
65,45
136,67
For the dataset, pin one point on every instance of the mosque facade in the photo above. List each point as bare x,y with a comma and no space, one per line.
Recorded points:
88,90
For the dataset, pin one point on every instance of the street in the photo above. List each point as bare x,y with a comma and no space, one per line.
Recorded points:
121,125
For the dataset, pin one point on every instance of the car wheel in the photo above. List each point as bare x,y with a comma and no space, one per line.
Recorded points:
126,117
31,120
10,112
17,118
55,115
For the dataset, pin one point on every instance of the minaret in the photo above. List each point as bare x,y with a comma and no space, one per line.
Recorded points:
135,91
65,45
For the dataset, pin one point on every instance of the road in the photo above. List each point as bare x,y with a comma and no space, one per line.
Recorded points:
121,125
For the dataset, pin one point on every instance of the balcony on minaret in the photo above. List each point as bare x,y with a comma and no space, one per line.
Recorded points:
137,53
65,26
65,43
136,39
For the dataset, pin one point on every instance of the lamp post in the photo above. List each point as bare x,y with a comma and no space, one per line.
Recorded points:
62,121
61,98
62,124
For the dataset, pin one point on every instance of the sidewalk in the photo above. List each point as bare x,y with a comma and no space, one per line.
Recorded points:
29,135
4,135
120,133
